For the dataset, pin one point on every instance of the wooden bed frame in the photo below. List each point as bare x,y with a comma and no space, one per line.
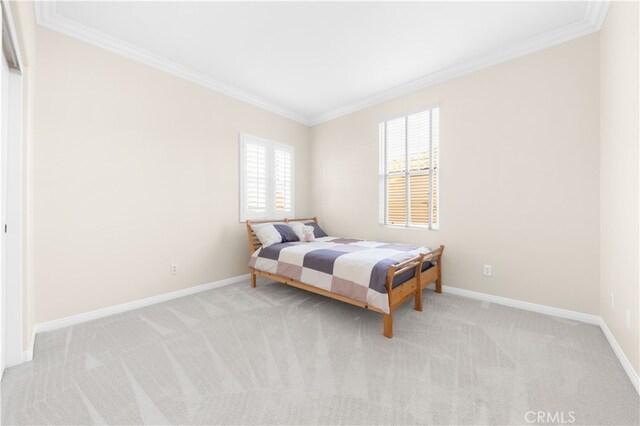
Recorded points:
397,295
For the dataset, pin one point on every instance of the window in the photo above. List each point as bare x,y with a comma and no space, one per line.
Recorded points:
409,170
266,179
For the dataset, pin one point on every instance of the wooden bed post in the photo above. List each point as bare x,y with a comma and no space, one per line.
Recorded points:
252,248
388,325
439,279
419,284
388,318
250,235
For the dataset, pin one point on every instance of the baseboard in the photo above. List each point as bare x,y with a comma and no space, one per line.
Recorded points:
26,356
136,304
528,306
556,312
626,364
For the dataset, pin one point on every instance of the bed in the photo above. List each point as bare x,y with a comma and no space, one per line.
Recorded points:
372,275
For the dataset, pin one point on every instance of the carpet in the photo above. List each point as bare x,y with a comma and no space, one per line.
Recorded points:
280,355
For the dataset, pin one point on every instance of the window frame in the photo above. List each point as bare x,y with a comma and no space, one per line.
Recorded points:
383,174
271,148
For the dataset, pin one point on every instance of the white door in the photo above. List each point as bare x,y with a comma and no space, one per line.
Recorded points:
10,213
4,71
12,216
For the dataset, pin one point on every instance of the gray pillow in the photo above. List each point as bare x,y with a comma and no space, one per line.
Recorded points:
288,235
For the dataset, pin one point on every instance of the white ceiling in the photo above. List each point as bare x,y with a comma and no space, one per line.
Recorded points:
312,61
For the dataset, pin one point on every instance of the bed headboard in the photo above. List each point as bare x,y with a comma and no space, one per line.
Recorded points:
254,242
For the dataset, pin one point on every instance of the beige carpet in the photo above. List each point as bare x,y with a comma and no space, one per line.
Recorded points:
278,355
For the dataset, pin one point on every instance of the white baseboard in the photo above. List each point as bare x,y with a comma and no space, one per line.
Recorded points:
527,306
628,368
556,312
124,307
26,356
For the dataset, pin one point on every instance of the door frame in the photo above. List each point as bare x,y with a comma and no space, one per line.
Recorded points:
12,261
11,199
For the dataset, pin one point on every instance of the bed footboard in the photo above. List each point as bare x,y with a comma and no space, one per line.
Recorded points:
414,286
433,276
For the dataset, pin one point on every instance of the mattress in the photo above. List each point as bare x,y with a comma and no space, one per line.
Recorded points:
346,266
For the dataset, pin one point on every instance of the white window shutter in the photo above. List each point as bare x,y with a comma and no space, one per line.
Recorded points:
283,172
409,170
266,179
396,163
382,167
435,167
418,142
256,178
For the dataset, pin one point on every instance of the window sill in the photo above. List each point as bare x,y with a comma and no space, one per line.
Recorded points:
411,227
274,218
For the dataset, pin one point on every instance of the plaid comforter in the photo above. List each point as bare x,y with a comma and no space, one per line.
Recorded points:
352,268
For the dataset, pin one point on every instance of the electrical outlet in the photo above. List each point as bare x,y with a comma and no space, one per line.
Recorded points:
613,301
174,269
627,319
487,270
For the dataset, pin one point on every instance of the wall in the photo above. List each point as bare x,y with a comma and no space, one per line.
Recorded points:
619,120
134,170
519,176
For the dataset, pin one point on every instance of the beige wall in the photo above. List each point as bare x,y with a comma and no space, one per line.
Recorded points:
620,137
519,176
134,170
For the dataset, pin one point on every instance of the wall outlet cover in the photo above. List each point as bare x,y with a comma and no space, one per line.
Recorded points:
613,301
487,270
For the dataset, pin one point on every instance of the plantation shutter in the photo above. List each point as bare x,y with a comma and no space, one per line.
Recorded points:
435,166
267,184
408,177
396,167
283,180
418,156
255,161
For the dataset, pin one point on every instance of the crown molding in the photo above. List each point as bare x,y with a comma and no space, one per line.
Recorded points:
10,22
594,18
595,15
47,17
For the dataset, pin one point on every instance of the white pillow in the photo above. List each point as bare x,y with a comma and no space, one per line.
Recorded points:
298,228
268,235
